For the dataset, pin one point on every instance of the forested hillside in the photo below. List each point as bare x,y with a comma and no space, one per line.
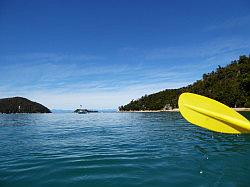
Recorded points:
229,85
21,105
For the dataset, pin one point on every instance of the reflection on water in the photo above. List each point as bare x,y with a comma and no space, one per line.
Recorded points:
118,149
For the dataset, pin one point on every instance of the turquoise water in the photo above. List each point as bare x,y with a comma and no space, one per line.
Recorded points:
118,149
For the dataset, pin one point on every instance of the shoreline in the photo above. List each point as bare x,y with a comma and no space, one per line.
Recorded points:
176,110
242,109
145,111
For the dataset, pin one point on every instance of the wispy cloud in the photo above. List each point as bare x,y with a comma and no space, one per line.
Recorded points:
202,50
67,80
68,77
50,57
94,98
235,23
54,83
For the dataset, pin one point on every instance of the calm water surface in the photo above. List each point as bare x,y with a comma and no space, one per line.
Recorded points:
118,149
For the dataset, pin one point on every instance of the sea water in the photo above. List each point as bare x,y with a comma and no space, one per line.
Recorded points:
118,149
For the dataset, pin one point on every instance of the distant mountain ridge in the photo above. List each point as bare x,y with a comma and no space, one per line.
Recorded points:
21,105
61,111
229,85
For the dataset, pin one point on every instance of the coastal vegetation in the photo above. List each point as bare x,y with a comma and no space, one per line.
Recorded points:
21,105
229,85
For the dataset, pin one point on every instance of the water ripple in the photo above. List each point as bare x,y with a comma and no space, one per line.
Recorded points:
113,149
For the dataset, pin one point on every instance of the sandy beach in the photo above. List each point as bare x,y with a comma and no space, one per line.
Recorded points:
177,110
242,109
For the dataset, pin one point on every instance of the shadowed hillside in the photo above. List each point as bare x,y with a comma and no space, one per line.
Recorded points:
21,105
229,85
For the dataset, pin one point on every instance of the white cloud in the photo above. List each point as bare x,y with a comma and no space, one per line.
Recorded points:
94,99
66,81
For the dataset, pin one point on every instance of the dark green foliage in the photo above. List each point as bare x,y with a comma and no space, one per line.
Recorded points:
21,105
229,85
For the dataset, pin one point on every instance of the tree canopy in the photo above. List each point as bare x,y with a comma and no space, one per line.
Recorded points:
21,105
229,85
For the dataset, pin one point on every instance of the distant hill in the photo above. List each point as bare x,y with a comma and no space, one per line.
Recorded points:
61,111
21,105
229,85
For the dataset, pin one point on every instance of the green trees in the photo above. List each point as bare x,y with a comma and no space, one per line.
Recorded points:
21,105
229,85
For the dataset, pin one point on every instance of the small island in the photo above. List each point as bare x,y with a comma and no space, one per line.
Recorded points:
21,105
84,111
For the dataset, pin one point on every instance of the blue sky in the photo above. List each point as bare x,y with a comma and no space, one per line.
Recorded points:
102,54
